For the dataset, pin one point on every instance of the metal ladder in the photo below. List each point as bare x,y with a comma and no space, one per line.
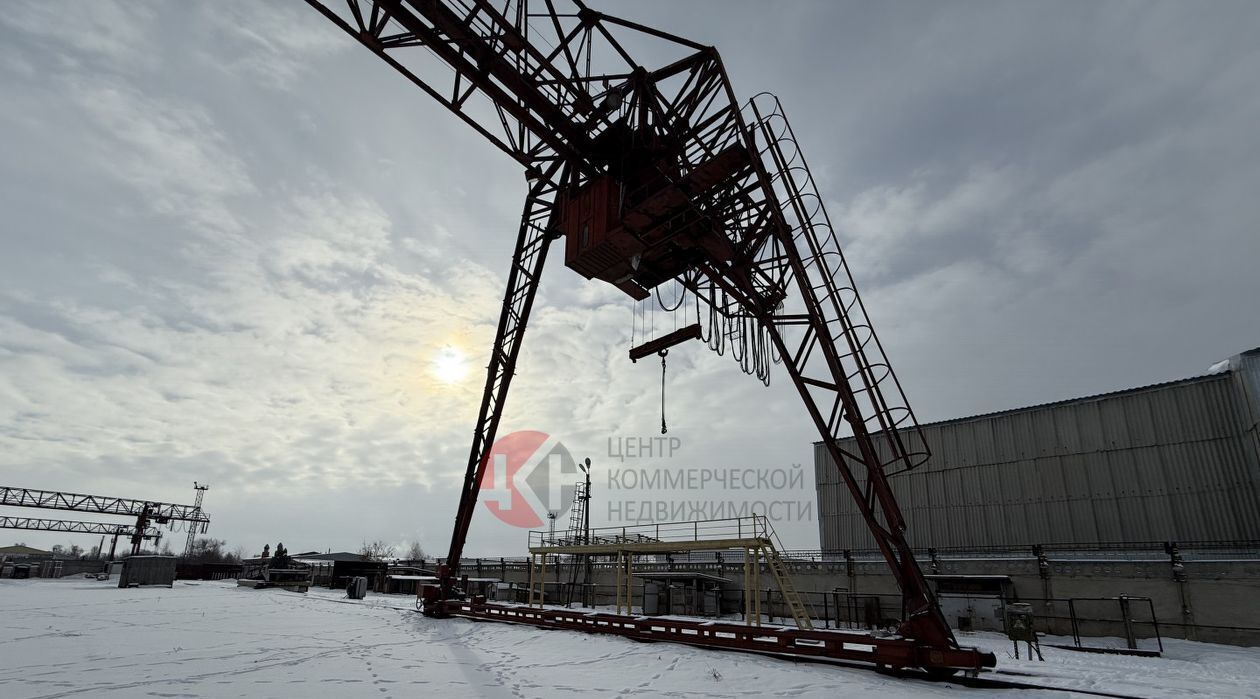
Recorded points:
577,515
784,579
577,534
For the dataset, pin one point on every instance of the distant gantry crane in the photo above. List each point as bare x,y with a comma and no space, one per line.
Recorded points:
146,513
74,527
663,185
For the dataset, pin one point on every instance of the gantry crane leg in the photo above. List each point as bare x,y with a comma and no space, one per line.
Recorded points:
532,243
873,495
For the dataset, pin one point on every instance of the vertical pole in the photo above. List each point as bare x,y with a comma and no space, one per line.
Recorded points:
1155,623
756,568
1129,636
744,592
533,559
1180,577
1076,629
588,564
753,617
629,582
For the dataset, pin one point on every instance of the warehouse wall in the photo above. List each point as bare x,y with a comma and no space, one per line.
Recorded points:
1177,461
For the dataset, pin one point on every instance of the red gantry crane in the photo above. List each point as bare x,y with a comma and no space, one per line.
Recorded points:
654,175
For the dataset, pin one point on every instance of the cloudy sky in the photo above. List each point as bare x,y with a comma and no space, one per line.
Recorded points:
237,248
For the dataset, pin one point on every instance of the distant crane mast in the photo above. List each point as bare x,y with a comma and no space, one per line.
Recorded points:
659,177
194,527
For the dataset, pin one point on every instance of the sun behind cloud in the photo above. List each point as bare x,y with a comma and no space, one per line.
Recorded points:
449,365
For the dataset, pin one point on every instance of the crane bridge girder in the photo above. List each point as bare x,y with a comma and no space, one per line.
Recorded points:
75,527
161,512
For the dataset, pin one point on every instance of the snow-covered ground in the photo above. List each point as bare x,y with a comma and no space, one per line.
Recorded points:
74,637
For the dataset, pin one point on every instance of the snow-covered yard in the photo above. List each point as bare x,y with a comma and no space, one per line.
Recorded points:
74,637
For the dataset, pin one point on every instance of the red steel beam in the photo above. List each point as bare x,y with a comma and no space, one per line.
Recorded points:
893,653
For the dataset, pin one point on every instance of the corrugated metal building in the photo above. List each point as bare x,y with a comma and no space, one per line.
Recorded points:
1177,461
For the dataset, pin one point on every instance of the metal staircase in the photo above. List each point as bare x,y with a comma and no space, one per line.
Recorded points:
789,591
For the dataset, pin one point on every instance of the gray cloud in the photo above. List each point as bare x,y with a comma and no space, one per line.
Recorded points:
234,242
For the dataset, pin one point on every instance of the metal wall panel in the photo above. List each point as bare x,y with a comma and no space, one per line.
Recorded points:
1177,461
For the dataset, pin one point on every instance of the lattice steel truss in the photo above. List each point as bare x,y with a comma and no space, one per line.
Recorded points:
75,527
146,512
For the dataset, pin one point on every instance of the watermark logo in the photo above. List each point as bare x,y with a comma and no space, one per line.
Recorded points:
529,474
685,493
638,491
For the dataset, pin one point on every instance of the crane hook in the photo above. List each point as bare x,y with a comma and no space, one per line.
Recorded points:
662,354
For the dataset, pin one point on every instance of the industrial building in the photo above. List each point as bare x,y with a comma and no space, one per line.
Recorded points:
1170,462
